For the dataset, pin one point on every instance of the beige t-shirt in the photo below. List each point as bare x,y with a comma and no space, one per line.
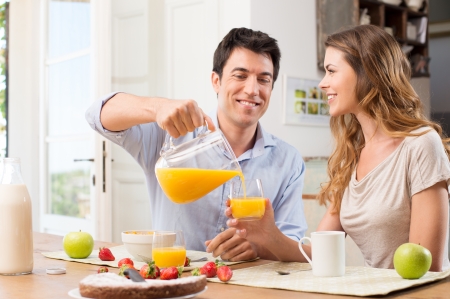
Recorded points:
376,211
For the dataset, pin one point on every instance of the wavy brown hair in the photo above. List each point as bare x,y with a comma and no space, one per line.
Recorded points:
384,93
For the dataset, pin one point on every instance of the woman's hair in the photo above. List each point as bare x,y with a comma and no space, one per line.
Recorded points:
384,93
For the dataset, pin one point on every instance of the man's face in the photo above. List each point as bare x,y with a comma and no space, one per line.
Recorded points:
245,88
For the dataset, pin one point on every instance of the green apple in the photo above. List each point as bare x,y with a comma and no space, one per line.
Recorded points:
412,261
78,245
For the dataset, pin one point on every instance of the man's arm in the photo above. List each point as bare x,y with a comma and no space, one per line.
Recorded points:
177,117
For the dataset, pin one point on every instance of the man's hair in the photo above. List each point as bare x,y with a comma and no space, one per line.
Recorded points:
256,41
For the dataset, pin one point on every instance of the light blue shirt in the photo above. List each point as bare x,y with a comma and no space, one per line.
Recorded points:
278,164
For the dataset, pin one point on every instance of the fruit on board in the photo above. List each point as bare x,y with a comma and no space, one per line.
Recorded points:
224,273
187,262
149,271
123,268
125,260
196,272
105,254
209,269
412,261
78,245
102,269
171,273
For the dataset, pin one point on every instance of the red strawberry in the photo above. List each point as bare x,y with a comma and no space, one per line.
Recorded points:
125,261
171,273
187,262
123,268
149,271
224,273
105,254
102,269
209,269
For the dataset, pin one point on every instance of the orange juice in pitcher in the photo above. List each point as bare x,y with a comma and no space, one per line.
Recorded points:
187,171
185,185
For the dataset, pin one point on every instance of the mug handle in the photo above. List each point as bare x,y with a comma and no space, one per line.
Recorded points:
302,251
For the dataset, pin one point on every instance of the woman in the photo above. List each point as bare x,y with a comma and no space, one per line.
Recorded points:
389,171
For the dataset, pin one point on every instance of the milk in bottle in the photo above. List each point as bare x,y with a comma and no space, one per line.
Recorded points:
16,235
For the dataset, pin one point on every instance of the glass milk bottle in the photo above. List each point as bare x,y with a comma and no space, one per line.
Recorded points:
16,235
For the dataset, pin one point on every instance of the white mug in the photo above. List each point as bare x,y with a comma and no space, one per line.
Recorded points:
328,253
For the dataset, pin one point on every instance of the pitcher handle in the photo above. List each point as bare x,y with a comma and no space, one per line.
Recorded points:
302,251
168,145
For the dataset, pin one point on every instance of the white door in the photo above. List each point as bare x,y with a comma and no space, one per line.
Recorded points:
67,146
131,72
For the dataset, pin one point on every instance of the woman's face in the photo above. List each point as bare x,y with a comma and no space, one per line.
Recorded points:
339,83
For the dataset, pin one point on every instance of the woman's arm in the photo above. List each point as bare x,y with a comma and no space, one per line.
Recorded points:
330,222
429,221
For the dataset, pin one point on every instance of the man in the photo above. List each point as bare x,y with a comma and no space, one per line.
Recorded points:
246,65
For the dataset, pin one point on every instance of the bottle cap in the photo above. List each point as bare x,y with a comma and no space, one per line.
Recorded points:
56,271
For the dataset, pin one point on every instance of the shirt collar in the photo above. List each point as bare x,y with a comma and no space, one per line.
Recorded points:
263,139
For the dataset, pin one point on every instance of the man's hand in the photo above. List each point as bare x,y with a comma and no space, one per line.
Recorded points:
231,247
178,117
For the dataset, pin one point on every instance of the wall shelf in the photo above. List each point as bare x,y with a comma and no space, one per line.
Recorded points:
397,18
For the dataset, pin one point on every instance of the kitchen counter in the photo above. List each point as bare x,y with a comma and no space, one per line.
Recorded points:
44,286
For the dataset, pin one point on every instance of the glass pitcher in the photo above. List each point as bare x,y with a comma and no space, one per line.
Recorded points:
188,170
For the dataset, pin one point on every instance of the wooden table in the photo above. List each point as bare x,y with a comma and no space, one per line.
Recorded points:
43,286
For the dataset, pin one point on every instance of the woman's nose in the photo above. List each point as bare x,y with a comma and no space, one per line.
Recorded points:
323,84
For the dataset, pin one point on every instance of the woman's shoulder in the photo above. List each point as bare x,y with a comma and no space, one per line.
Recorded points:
424,135
428,142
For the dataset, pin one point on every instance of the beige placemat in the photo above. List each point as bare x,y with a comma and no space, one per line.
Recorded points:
120,252
358,281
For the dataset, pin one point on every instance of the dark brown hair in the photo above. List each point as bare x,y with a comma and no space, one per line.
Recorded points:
256,41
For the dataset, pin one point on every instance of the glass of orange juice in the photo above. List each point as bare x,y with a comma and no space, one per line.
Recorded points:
247,200
168,249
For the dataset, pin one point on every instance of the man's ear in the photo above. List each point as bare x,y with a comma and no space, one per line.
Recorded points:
215,81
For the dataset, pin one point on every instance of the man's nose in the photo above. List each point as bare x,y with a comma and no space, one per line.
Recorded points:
251,87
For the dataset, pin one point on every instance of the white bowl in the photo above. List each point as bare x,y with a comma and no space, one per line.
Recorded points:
393,2
414,4
138,242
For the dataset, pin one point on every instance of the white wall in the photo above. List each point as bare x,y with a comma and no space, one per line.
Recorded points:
293,24
24,94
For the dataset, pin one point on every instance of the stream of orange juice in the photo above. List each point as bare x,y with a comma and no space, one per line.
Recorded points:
169,256
185,185
248,208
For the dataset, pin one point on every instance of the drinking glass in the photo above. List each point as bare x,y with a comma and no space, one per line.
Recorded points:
247,200
168,249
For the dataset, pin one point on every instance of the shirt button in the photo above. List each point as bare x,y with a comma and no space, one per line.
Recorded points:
222,229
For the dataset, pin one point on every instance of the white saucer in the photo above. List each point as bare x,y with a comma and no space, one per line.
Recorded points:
75,293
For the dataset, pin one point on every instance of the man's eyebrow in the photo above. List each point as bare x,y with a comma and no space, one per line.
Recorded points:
241,69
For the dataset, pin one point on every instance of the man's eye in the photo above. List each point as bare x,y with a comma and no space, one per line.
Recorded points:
240,76
264,80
